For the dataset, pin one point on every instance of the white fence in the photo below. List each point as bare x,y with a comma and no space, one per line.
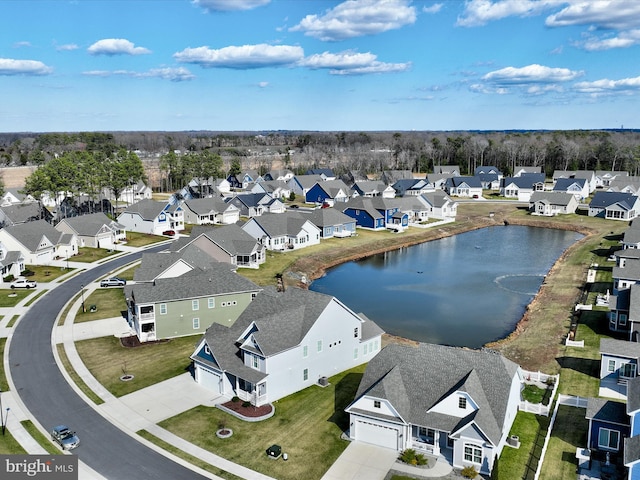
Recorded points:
537,408
572,401
539,379
573,343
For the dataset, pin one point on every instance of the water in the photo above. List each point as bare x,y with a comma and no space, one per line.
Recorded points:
465,290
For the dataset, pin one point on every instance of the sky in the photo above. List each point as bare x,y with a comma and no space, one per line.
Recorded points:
353,65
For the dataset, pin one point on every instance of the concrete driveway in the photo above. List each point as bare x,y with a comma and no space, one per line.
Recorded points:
362,461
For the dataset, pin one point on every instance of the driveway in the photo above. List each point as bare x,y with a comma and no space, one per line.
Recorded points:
362,461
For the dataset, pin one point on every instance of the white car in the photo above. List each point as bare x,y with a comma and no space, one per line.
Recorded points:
23,283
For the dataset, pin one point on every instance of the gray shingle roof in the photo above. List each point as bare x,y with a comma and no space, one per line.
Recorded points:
29,234
633,395
553,198
606,411
621,348
606,199
631,449
277,224
325,217
437,198
216,279
415,379
147,209
90,224
630,271
203,206
231,238
22,212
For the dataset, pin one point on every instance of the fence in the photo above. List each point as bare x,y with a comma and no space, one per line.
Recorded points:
539,377
534,378
572,401
537,408
573,343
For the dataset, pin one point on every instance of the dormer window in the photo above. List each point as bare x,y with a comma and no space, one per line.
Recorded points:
462,403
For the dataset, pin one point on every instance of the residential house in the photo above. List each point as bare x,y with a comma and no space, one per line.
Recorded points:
631,236
229,244
487,169
325,173
604,177
614,206
437,400
412,187
283,175
415,207
373,188
13,196
631,451
376,213
522,187
283,342
301,184
255,204
189,303
576,186
452,170
209,211
389,177
329,192
618,365
38,242
275,188
130,194
18,213
519,170
489,181
209,187
626,271
441,205
438,180
287,231
94,230
244,179
11,263
331,222
589,177
463,187
153,217
552,203
608,425
353,176
625,185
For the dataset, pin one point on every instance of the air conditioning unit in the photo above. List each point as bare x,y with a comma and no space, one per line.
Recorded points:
323,381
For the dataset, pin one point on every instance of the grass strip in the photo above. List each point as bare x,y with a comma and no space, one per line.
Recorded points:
35,297
42,439
13,321
75,378
9,445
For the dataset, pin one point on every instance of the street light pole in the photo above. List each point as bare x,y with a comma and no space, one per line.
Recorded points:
82,294
1,417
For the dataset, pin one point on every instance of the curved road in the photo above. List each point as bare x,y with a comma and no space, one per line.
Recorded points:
51,400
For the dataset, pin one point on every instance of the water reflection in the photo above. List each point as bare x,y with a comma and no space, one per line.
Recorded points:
465,290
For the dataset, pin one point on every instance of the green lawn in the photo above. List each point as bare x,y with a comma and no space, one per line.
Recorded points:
43,273
110,303
75,378
90,255
522,462
306,424
9,445
10,298
108,360
135,239
44,441
569,432
4,386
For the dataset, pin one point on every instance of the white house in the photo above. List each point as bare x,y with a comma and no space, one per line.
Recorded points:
438,399
38,242
614,206
281,343
94,230
150,216
285,231
440,205
209,211
552,203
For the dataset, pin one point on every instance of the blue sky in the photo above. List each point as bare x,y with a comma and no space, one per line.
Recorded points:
353,65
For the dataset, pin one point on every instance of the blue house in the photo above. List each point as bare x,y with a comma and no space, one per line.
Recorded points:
618,365
632,444
608,425
376,213
330,191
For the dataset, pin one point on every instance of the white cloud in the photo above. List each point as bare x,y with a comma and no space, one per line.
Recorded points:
530,74
609,87
622,40
116,46
21,44
356,18
374,67
435,8
10,66
67,47
263,84
179,74
481,12
229,5
611,14
338,60
242,57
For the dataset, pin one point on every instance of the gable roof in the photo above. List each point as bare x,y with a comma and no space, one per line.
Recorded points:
437,198
307,181
22,212
90,224
327,172
147,209
30,234
607,199
277,224
324,217
565,183
633,395
606,411
527,180
231,238
484,375
552,198
620,348
202,206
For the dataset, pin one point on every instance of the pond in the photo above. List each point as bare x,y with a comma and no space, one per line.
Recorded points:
465,290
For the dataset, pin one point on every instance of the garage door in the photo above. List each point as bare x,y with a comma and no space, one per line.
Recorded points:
208,379
380,435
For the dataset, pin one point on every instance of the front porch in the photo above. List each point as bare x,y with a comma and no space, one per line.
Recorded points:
431,442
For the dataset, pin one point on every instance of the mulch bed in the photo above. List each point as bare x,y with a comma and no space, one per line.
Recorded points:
132,341
249,411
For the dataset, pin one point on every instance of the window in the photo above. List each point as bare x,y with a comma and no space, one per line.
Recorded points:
472,453
608,439
319,345
305,351
376,403
196,323
163,309
195,304
355,332
462,403
305,374
628,370
355,353
211,302
375,345
611,366
254,361
623,319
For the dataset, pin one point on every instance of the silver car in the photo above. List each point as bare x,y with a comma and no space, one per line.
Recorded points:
65,437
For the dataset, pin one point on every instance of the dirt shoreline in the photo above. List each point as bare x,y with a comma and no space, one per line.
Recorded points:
315,266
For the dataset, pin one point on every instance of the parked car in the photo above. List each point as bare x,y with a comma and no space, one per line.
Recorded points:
65,437
169,233
23,283
113,282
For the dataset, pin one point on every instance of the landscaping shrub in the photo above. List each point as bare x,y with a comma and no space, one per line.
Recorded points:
412,458
246,404
469,472
235,399
28,273
9,278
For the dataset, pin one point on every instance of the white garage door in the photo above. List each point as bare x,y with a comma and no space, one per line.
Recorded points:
208,379
377,434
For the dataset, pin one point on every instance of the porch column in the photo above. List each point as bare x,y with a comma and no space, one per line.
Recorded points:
436,442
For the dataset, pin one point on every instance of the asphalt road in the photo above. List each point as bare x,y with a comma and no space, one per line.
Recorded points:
50,399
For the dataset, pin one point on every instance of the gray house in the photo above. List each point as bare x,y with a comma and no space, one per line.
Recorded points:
94,230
